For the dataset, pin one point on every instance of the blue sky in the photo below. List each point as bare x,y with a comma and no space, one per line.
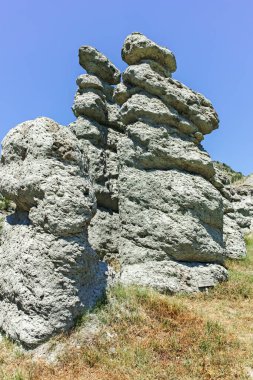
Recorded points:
212,41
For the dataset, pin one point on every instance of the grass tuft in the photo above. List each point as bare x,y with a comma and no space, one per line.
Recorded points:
5,204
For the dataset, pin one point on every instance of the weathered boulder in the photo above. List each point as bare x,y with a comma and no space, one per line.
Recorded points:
96,63
91,105
49,272
137,47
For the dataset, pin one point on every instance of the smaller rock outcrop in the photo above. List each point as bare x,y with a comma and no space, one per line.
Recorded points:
236,212
49,272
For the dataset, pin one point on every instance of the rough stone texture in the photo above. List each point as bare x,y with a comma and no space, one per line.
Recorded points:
137,47
49,272
96,63
233,237
174,277
104,234
169,215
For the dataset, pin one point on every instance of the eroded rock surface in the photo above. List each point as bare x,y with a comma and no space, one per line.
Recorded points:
49,272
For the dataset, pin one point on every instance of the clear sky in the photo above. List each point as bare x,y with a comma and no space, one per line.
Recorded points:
212,41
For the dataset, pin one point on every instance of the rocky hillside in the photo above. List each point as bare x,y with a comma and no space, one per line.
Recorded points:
126,194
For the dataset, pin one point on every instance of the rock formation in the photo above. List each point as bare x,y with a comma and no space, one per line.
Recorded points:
171,216
127,183
49,272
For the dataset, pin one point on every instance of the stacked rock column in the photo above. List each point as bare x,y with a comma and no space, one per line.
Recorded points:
98,128
171,216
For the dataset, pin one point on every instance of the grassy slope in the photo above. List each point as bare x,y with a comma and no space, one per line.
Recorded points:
145,335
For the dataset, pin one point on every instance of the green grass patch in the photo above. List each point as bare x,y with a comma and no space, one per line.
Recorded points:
5,204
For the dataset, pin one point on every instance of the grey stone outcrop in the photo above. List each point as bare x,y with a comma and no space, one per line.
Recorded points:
128,184
49,272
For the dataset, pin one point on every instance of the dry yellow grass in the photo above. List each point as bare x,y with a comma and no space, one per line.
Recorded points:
145,335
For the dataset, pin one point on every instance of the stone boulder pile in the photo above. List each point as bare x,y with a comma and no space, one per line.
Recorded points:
49,272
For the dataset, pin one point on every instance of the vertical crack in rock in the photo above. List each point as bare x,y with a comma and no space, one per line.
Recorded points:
49,272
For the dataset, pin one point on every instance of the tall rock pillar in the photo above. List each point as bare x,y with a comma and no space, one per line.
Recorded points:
171,216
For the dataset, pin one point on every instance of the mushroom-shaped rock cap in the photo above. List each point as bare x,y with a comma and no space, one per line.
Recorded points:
96,63
138,47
